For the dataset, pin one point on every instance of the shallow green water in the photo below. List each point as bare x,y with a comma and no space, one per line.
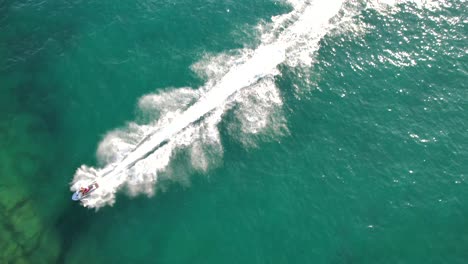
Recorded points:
372,170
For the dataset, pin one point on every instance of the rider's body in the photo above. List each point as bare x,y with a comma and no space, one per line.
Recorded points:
84,190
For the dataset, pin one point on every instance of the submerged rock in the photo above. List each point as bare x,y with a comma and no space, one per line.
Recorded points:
25,234
22,232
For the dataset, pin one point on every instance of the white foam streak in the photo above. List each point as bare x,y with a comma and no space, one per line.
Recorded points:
247,73
189,118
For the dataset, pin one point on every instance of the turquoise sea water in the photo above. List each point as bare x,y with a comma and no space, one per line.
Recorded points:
368,165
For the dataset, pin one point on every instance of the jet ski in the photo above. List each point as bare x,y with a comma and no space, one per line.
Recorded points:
84,192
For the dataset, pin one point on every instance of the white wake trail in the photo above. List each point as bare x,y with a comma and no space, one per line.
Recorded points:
135,155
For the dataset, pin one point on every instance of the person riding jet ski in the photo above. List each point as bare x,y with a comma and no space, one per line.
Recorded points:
84,190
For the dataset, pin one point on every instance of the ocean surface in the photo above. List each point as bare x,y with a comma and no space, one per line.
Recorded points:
248,131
